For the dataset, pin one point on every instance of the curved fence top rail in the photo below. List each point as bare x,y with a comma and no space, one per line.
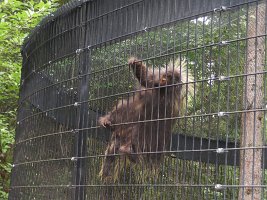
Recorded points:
183,9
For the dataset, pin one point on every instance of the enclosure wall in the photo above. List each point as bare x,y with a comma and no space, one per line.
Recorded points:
76,69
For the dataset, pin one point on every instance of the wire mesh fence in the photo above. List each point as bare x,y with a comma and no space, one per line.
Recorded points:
144,99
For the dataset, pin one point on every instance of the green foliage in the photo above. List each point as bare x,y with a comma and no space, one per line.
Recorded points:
17,19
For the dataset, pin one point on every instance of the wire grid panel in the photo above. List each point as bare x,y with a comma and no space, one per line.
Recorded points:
76,70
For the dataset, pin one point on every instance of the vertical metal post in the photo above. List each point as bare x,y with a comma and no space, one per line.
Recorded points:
81,139
82,110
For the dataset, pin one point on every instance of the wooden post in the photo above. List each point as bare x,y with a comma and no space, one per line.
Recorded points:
252,122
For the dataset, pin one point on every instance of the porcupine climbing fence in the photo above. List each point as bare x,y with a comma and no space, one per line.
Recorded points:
75,69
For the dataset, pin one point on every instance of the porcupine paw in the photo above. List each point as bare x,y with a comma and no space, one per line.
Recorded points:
104,121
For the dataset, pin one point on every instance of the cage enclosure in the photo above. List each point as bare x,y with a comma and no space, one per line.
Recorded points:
184,119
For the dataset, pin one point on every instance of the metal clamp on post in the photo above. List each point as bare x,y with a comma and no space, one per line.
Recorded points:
221,9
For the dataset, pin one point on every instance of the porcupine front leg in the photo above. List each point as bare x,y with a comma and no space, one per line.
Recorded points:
113,146
112,117
141,72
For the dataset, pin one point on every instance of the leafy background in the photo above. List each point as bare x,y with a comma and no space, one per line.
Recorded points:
17,19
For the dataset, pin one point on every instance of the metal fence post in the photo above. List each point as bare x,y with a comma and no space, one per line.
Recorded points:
82,111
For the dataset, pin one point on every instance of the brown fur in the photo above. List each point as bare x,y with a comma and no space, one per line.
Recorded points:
141,124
